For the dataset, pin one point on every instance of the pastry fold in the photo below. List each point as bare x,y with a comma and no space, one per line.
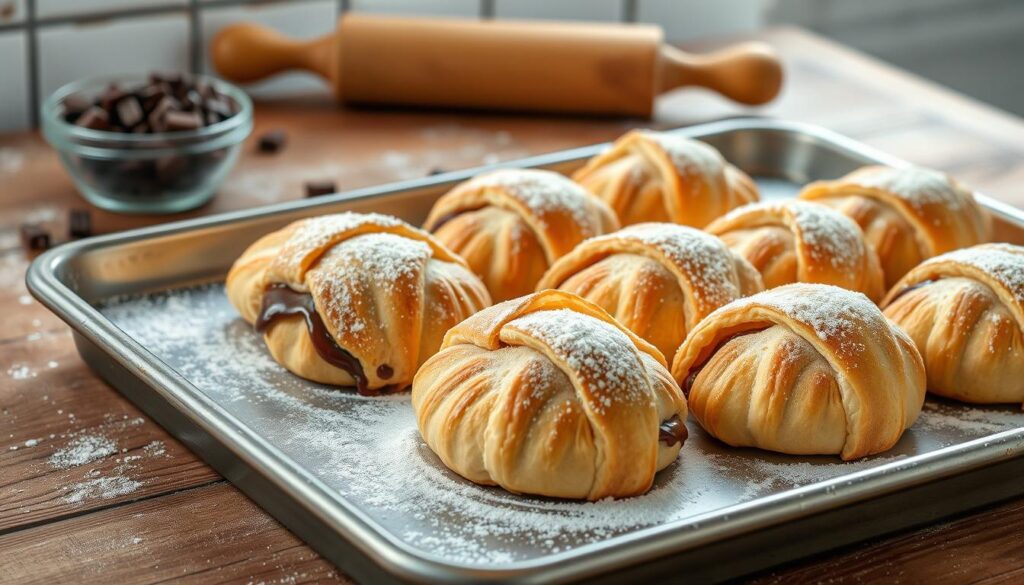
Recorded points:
798,241
547,394
802,369
383,292
511,224
908,215
649,176
965,312
657,279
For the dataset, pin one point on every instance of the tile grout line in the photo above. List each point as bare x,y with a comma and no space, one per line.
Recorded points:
629,11
195,31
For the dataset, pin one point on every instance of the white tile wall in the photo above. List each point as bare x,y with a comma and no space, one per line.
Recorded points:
470,8
12,11
14,89
67,53
592,10
48,8
304,20
689,19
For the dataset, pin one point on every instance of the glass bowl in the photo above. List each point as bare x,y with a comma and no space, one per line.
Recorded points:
164,172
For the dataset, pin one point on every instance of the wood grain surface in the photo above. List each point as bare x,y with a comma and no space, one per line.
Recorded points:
91,490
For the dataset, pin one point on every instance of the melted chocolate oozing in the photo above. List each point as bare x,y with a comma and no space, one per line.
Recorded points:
281,301
385,371
695,370
673,431
912,287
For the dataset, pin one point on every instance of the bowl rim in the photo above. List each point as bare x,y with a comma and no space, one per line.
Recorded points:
53,121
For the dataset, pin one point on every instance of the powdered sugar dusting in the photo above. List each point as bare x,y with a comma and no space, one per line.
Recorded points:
1004,262
915,185
595,351
703,258
82,450
313,233
830,236
368,451
546,192
692,158
837,315
386,262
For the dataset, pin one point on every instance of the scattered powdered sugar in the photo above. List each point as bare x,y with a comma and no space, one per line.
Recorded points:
829,235
102,488
595,351
692,158
703,258
368,451
387,262
915,185
313,233
82,450
837,315
21,372
1004,262
545,192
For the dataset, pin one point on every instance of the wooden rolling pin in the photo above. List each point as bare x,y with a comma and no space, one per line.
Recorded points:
498,64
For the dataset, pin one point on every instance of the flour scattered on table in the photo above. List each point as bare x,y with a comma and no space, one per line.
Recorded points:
103,488
82,450
21,372
368,451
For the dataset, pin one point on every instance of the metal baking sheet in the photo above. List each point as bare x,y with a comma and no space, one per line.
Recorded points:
351,476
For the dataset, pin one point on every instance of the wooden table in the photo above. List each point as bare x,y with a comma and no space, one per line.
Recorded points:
166,516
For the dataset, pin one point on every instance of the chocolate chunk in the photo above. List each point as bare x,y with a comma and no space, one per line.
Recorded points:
79,223
34,237
74,106
95,118
219,106
272,141
111,97
129,112
318,188
158,117
177,120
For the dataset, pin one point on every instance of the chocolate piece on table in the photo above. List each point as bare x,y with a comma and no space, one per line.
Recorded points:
318,188
129,112
34,237
95,118
272,141
177,120
436,171
79,223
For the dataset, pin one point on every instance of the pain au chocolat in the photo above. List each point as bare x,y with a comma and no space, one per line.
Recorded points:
800,241
649,176
965,312
657,279
802,369
511,225
908,214
353,299
547,394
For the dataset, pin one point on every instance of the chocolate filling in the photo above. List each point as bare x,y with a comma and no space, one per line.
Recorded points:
673,431
696,369
912,287
281,301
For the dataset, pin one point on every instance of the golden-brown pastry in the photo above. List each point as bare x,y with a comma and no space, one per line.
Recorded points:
657,279
908,215
511,224
547,394
799,241
353,299
650,176
802,369
965,312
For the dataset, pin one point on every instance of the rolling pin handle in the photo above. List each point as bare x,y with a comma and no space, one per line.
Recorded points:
749,73
248,52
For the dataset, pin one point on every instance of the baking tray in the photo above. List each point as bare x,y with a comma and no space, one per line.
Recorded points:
350,476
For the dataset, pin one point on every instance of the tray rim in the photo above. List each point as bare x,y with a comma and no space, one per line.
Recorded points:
405,562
